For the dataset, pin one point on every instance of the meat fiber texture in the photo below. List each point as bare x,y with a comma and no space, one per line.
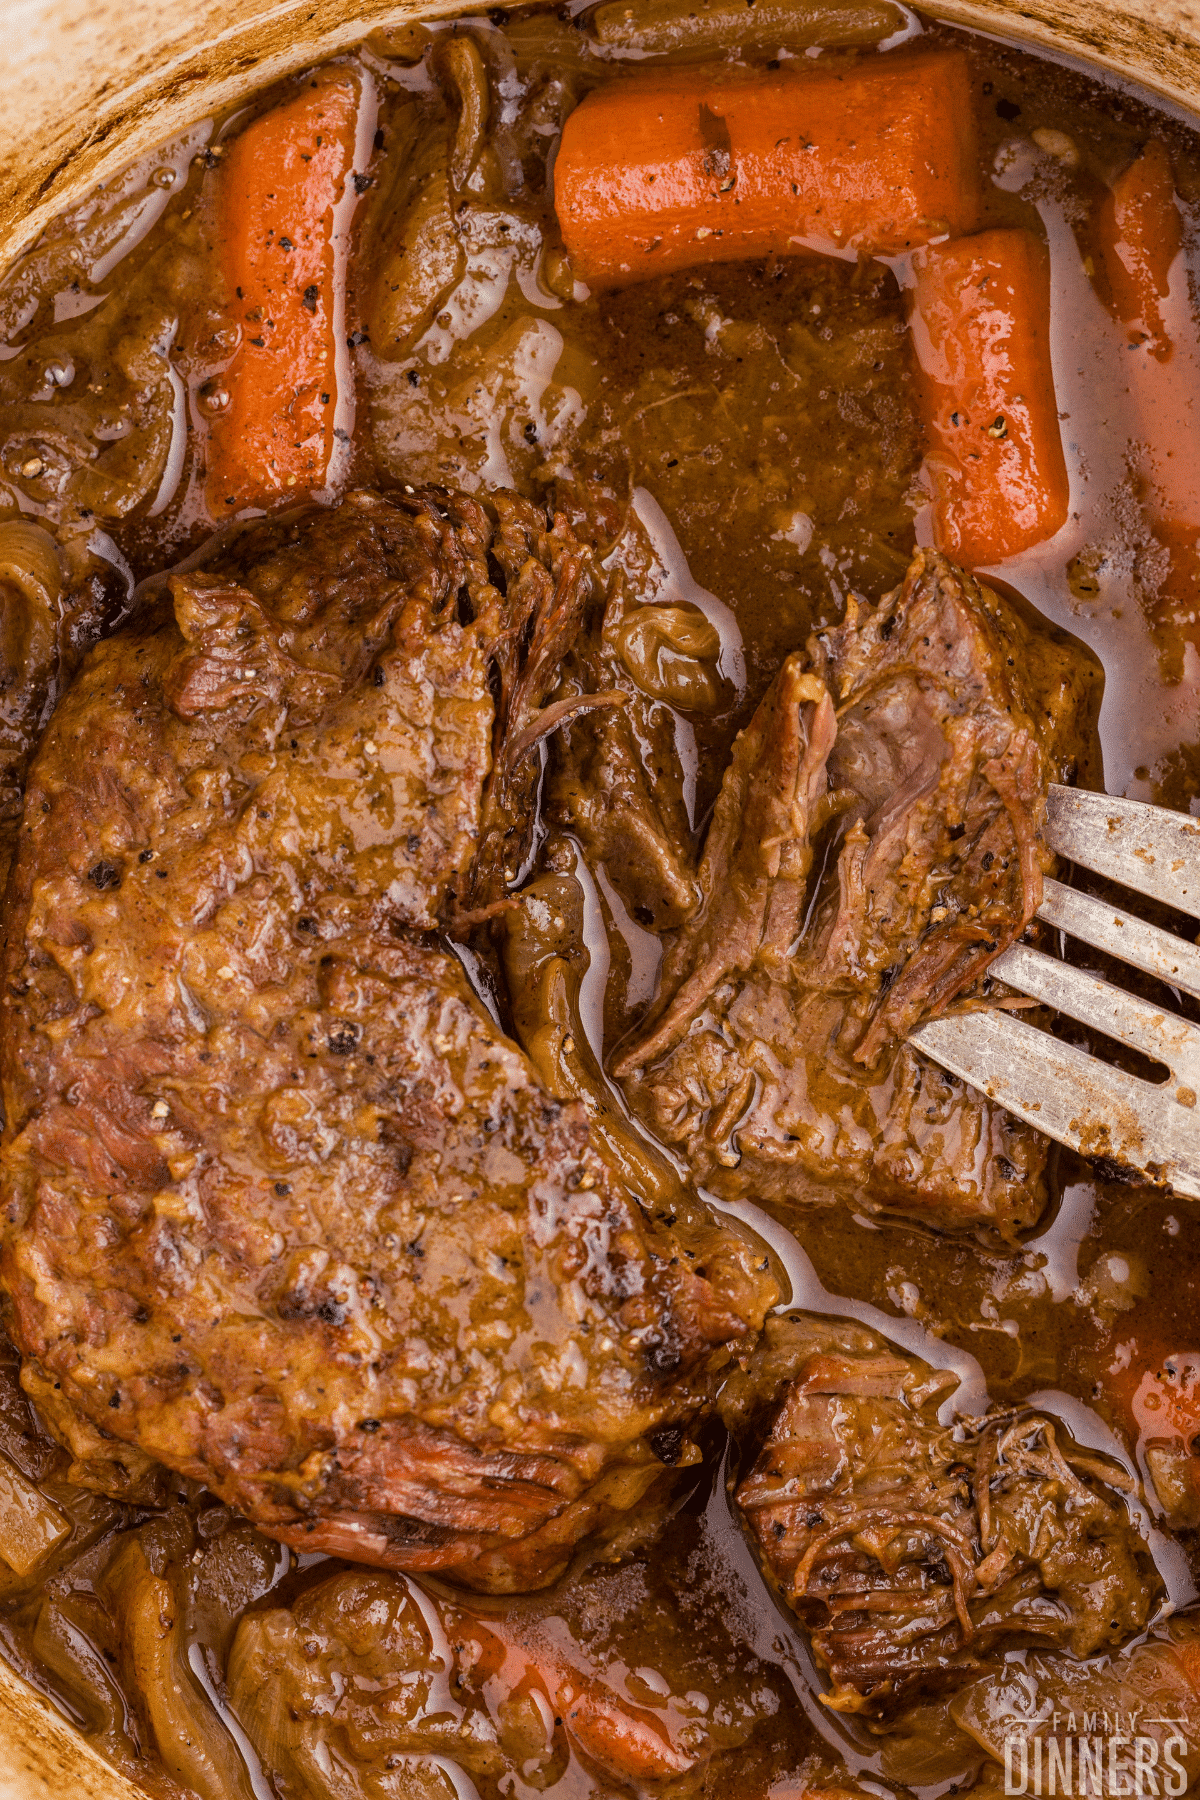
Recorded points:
875,845
914,1549
283,1208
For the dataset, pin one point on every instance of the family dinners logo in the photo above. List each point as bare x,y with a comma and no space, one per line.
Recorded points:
1098,1754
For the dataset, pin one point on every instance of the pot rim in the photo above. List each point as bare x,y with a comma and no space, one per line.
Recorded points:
1153,45
1147,46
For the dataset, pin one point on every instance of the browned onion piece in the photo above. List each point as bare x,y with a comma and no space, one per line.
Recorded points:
544,961
405,42
29,561
69,1627
194,1745
671,653
422,258
461,69
30,1525
285,1663
665,25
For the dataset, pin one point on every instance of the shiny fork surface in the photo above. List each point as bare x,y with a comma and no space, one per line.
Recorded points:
1104,1112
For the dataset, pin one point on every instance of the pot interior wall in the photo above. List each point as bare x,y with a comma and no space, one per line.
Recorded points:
89,84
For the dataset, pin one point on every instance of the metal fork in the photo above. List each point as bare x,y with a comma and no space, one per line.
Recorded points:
1101,1111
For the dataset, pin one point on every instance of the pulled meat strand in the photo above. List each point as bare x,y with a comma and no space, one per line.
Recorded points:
919,737
856,1483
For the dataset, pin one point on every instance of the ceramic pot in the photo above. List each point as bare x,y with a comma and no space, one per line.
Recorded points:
86,85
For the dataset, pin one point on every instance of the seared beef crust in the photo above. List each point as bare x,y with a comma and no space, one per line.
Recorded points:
283,1208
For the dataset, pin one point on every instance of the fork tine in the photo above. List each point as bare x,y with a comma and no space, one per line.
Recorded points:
1159,1034
1123,935
1147,848
1071,1096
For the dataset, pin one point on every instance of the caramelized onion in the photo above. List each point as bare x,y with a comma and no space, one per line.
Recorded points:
287,1669
193,1743
461,69
405,42
69,1628
29,562
671,653
422,259
544,960
30,1525
665,25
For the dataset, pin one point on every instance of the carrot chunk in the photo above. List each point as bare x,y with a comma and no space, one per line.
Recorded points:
1156,1396
1144,1372
1188,1653
1139,274
981,330
711,164
1157,1393
280,183
1140,233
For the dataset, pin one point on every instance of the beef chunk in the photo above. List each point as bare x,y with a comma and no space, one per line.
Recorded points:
283,1208
912,1549
874,846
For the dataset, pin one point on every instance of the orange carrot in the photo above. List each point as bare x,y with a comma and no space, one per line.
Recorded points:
276,194
1158,1393
981,329
1156,1396
666,170
624,1740
1139,232
1138,235
628,1741
1171,592
1187,1650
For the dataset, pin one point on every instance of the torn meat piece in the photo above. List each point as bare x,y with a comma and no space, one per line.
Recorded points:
616,782
283,1208
601,793
913,1549
547,576
758,852
927,730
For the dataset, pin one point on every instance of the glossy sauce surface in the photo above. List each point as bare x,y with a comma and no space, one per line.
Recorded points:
761,422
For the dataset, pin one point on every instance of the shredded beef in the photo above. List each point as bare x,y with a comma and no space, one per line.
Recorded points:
874,847
914,1549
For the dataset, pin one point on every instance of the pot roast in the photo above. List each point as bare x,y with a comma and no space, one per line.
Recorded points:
284,1207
